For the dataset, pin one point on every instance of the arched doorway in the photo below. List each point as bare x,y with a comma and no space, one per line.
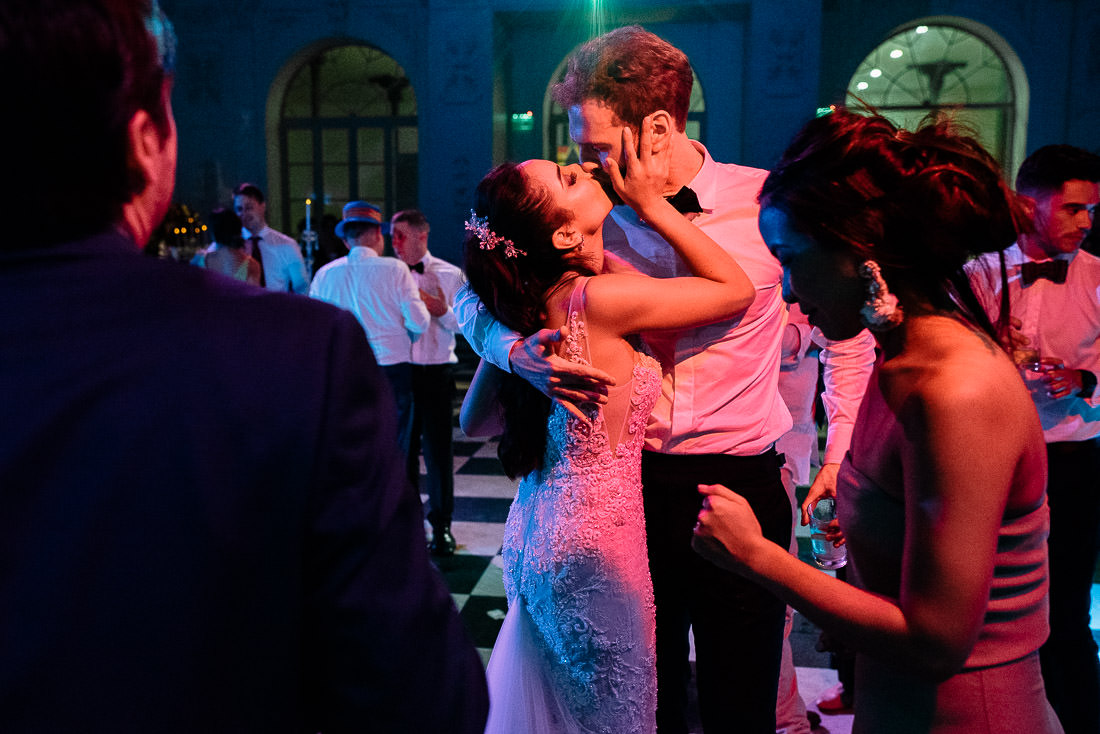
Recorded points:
347,129
951,64
557,146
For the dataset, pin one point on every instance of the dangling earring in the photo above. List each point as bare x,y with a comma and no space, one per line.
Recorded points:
880,312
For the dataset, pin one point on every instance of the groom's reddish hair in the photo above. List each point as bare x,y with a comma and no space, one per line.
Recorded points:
633,71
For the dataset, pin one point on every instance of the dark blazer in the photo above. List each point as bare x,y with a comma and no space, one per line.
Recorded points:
205,524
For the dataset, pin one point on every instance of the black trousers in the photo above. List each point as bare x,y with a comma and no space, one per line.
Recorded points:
1070,671
433,392
400,379
738,626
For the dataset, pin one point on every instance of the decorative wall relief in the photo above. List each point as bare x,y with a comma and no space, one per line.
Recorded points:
460,85
784,71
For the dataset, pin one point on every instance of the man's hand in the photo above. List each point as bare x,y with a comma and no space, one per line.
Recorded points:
437,305
1062,382
1019,345
570,383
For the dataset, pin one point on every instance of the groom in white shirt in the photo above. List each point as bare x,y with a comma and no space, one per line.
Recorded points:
719,413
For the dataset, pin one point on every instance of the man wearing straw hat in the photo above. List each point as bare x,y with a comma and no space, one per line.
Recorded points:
383,296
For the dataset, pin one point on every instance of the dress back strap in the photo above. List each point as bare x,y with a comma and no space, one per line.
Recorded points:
576,345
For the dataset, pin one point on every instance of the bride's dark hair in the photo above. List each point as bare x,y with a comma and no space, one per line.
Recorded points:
919,203
514,290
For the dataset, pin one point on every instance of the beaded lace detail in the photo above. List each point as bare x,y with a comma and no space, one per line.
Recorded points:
575,551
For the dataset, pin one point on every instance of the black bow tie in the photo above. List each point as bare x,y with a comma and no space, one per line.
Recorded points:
419,267
1052,270
685,201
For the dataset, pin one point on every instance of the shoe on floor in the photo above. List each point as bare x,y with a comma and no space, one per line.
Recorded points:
443,543
831,701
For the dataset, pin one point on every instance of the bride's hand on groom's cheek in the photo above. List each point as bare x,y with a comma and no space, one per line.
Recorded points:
643,175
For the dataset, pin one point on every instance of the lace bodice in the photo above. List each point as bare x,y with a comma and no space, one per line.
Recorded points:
574,551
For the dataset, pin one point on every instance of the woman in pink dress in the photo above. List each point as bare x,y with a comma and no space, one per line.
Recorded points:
942,496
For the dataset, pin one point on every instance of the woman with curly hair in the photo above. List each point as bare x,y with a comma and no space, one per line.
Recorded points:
941,499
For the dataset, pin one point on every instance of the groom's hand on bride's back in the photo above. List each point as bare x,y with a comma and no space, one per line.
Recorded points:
570,383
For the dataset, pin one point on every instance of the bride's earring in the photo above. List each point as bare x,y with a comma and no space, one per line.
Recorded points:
881,311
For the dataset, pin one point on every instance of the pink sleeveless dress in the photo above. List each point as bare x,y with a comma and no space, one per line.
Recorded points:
1000,688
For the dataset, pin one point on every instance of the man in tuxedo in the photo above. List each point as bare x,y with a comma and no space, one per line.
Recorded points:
1055,308
433,381
240,553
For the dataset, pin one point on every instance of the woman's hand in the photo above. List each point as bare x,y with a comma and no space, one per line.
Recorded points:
727,533
647,171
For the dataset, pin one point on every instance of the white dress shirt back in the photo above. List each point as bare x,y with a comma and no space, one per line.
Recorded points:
381,293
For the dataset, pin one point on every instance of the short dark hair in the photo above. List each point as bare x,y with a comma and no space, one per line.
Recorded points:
353,230
412,217
226,226
634,72
1048,168
251,190
75,73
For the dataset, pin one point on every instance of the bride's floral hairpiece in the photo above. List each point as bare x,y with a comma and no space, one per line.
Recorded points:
487,238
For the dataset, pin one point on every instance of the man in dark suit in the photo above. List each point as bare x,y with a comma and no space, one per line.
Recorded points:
236,552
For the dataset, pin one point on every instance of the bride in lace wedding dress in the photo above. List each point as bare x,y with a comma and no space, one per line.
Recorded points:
576,651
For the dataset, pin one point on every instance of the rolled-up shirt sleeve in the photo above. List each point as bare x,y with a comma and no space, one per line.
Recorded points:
847,367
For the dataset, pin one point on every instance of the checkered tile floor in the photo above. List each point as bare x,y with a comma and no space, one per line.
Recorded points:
474,574
482,497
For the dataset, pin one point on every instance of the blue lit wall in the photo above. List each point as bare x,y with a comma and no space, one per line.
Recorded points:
765,65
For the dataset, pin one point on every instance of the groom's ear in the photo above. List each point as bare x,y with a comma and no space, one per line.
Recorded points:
663,128
566,237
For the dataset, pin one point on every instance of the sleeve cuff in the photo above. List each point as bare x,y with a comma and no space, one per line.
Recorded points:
1088,384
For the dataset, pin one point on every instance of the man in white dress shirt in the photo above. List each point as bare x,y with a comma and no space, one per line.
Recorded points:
433,382
280,257
382,294
1054,301
719,413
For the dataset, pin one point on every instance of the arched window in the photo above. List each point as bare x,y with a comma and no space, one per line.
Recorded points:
557,144
347,130
949,64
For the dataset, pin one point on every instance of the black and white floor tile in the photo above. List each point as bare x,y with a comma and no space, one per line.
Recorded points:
474,574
